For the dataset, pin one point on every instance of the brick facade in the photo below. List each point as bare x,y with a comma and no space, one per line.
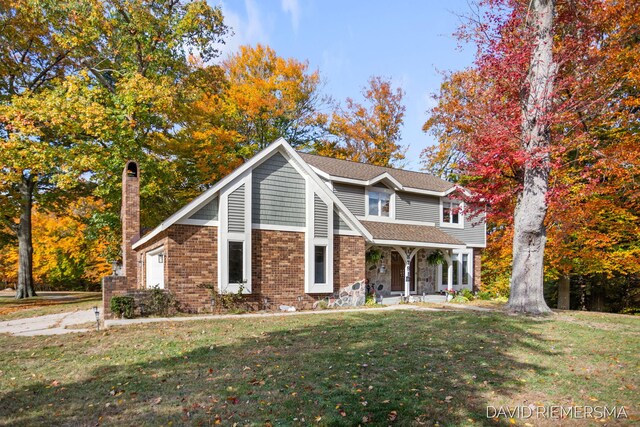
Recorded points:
112,286
130,218
277,264
477,269
192,260
277,260
348,260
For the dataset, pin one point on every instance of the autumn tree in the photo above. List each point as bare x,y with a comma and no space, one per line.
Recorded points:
368,133
84,86
589,125
268,97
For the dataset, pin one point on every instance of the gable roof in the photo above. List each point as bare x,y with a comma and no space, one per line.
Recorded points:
280,145
369,174
409,233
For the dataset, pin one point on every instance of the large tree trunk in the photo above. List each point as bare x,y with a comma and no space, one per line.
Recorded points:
564,292
530,235
25,245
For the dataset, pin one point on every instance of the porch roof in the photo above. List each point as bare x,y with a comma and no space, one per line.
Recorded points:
410,233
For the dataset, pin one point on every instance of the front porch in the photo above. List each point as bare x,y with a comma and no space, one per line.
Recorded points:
395,271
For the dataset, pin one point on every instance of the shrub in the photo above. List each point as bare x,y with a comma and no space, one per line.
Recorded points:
157,302
460,299
370,301
233,302
122,306
484,295
467,294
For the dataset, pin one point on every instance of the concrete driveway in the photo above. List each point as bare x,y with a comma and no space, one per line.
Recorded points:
51,324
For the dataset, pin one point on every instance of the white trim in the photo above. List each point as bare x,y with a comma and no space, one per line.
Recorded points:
460,224
211,192
200,222
457,253
277,227
395,221
346,233
416,244
284,148
311,241
428,192
225,236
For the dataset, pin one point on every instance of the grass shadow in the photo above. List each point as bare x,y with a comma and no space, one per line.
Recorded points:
409,368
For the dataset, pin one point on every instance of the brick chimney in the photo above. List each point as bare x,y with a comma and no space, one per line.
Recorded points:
130,218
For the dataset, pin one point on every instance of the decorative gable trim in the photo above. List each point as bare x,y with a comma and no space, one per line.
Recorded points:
290,154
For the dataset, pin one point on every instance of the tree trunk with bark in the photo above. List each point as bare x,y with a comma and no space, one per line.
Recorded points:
564,292
25,244
530,235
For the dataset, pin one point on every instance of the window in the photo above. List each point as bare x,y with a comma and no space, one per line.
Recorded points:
444,269
236,262
379,203
465,269
450,212
320,270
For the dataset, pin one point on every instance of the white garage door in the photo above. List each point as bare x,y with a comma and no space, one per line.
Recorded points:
155,268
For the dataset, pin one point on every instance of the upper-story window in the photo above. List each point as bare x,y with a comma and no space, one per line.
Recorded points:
379,203
451,213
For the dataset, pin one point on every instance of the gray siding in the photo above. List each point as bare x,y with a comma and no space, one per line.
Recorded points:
208,212
236,210
321,220
339,224
352,196
470,234
415,207
278,193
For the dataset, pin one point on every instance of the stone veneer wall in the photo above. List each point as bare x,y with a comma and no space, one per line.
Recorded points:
348,260
477,269
426,274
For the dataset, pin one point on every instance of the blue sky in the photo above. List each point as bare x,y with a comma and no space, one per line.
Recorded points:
410,42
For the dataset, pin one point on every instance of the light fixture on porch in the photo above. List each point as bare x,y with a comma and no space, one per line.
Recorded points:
160,258
383,265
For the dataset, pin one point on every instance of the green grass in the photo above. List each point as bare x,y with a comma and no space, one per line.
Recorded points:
11,308
390,367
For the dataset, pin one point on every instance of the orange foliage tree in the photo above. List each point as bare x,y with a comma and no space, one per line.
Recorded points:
68,253
368,133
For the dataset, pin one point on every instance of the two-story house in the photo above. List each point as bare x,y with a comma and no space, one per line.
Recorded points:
290,227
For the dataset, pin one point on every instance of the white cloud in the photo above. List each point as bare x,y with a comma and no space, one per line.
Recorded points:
293,8
247,28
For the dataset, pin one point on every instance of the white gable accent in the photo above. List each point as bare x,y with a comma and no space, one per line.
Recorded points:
285,149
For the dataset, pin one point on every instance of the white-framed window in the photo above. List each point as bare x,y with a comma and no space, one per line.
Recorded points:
462,268
320,264
236,262
379,203
451,214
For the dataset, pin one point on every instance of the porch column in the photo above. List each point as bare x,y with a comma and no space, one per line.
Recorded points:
407,255
448,256
450,273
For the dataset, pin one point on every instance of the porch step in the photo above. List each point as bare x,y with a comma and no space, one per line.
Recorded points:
393,300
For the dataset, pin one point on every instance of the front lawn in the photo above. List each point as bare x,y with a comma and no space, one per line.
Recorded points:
46,303
403,367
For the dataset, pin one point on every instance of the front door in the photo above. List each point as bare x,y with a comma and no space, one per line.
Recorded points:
397,273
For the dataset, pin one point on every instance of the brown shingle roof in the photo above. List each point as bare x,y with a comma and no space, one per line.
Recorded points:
365,172
409,233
